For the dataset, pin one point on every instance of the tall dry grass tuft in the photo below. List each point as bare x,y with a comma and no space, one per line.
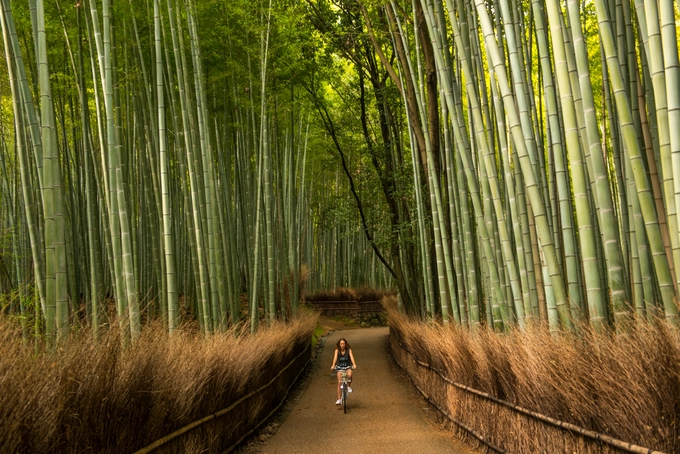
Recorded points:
303,279
285,291
623,385
100,397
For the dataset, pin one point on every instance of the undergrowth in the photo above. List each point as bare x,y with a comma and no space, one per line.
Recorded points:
317,334
624,385
98,396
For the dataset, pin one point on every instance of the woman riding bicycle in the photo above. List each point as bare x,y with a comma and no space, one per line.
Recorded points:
343,360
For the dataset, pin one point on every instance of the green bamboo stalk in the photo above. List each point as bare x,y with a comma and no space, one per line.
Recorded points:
491,173
415,161
22,153
672,71
89,166
108,164
543,229
641,182
55,254
594,291
655,60
173,307
598,171
208,180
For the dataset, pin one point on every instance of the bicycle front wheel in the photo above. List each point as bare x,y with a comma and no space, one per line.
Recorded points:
344,398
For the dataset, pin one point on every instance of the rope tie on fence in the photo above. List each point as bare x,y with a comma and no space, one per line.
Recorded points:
181,431
619,444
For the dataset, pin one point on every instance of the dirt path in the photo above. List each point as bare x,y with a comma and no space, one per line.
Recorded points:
383,415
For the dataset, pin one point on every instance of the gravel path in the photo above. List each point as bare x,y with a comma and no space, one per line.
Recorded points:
383,414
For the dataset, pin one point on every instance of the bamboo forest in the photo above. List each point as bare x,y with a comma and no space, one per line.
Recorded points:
199,169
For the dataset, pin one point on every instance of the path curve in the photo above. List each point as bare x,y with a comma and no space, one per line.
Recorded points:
383,415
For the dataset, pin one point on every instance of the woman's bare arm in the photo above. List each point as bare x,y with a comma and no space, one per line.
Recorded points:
335,359
351,356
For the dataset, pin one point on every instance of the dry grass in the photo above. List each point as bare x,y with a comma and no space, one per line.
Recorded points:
350,294
626,386
100,397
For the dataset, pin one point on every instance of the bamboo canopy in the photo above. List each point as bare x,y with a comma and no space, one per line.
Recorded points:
499,162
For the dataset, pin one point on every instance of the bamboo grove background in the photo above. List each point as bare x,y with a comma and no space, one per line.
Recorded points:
143,178
543,154
497,161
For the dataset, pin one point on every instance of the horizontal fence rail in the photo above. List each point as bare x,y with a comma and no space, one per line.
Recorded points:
346,307
562,425
183,430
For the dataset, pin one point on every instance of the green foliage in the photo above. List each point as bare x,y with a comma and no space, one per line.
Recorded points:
316,335
332,97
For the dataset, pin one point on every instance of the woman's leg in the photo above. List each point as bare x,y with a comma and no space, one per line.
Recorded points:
339,375
349,376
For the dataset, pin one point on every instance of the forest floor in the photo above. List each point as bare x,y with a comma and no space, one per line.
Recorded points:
384,413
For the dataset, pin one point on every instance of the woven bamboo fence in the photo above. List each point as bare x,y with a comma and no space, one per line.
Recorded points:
347,308
498,425
224,430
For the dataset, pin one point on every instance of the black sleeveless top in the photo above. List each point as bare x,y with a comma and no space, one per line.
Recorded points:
344,361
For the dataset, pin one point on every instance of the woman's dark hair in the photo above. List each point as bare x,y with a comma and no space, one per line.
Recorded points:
337,345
